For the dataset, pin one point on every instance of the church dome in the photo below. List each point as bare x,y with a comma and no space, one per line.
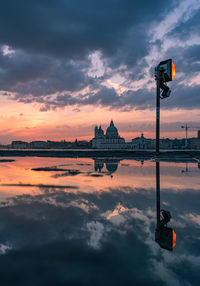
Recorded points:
112,131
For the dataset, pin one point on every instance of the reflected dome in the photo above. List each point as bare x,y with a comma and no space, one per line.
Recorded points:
111,167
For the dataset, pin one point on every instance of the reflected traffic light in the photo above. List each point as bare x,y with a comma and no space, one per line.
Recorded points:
164,235
166,238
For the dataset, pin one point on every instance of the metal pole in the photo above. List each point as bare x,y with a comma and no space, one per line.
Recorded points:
158,194
186,129
157,112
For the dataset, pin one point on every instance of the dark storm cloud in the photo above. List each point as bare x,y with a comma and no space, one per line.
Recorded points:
36,75
185,97
188,28
187,62
139,99
63,28
52,41
107,97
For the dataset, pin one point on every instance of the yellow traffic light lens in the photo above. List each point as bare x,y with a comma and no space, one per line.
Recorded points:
173,70
173,238
167,68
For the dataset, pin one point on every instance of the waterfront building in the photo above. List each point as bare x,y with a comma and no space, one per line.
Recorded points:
139,142
19,145
38,144
166,143
110,140
195,142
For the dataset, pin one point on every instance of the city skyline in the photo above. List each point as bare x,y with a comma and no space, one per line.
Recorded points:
104,134
127,135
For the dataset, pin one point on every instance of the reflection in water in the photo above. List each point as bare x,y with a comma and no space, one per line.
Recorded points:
52,235
164,236
187,169
111,165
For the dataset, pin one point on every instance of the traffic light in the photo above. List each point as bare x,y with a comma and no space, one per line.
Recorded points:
165,91
167,69
165,217
166,237
164,72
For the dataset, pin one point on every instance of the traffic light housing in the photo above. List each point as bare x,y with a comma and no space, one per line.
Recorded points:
167,69
166,237
165,91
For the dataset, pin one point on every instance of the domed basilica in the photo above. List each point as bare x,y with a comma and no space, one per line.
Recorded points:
110,140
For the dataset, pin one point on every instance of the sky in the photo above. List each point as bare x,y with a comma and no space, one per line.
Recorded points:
66,66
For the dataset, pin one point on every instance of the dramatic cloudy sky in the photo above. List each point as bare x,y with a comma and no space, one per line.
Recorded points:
66,66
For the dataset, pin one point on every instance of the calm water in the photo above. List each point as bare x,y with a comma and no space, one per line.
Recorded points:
92,222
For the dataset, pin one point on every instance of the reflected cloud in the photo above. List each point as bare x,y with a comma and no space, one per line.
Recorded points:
53,169
108,233
119,209
92,230
95,229
41,186
68,173
4,248
6,160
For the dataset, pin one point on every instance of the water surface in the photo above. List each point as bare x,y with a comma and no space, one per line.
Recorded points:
92,222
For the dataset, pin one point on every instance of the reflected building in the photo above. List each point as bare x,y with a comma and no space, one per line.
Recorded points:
110,164
98,165
187,170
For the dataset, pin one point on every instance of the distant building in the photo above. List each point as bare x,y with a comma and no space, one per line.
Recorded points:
195,142
141,143
83,144
38,144
19,145
166,143
110,140
58,144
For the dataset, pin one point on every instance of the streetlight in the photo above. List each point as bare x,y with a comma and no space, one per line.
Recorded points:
164,72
